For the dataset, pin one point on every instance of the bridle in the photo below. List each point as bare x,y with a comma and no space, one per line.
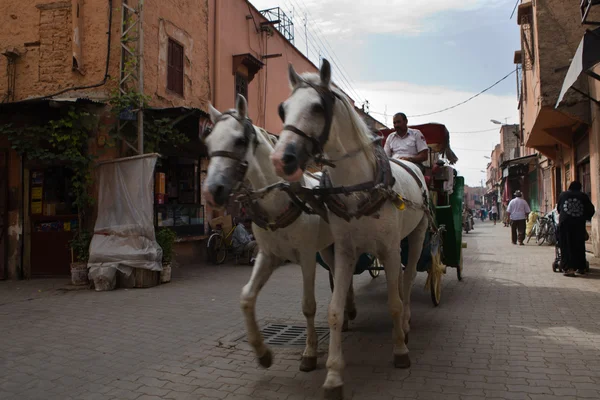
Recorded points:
328,98
238,156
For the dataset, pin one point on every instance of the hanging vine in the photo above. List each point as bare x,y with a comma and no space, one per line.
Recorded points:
63,140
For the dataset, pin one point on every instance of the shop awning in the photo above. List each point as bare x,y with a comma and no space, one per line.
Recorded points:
519,161
586,57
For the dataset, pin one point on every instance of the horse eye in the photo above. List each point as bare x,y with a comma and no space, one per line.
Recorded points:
318,109
241,142
281,112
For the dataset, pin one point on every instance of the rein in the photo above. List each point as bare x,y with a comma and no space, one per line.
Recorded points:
246,197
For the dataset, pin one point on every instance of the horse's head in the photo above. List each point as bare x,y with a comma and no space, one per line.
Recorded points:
307,115
230,143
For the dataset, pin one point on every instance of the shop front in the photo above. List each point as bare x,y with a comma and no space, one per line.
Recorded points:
521,174
51,219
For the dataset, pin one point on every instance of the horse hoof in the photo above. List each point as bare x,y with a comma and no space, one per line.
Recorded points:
401,361
352,315
336,393
266,360
406,338
308,364
345,326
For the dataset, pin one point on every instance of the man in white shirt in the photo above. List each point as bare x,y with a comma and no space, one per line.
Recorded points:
517,211
406,143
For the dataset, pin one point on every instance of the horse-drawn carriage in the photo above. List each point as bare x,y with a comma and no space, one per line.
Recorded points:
443,242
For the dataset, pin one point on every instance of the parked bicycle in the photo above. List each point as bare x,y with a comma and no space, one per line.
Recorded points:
544,229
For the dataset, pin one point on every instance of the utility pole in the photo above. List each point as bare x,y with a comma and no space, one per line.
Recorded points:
132,66
306,33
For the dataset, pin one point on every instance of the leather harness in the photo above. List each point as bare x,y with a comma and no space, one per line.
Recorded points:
255,211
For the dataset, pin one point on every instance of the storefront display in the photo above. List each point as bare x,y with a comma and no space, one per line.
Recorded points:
53,219
177,196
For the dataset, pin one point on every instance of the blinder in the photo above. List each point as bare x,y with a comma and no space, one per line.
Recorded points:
327,101
237,155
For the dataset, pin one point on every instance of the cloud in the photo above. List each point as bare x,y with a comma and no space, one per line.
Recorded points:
473,116
342,17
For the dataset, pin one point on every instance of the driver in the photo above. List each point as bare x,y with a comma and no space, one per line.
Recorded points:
406,143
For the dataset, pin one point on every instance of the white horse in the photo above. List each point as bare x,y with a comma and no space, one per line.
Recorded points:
320,121
240,151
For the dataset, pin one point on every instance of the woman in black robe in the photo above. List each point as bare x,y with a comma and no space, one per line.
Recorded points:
575,208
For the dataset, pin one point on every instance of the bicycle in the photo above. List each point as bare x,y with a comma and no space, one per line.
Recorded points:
218,245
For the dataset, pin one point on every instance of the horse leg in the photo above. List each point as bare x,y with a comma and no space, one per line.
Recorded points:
262,270
350,311
309,309
344,269
415,246
392,264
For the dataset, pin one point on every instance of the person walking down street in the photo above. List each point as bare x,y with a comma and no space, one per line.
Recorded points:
494,212
574,208
517,212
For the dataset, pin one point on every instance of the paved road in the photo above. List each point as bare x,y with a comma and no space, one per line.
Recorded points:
511,330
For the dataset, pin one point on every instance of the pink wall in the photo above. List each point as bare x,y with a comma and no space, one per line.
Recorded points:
237,35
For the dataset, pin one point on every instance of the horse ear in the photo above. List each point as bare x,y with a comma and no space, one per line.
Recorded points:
214,114
241,106
325,73
293,76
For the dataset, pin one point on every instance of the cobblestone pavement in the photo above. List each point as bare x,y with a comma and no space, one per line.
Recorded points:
511,330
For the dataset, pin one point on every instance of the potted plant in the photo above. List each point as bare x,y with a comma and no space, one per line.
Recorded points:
80,253
166,239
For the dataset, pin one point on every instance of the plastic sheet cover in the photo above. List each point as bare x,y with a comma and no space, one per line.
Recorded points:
124,231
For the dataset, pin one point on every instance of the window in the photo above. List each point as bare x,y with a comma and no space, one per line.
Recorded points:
241,85
175,68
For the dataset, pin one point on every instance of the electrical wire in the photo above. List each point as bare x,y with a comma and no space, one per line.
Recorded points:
459,104
106,74
312,38
332,55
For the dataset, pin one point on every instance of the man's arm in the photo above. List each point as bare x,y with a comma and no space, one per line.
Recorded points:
419,158
386,147
422,148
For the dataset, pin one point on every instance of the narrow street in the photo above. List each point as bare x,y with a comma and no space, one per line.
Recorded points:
512,329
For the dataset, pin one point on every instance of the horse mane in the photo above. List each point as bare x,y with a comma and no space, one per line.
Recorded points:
359,128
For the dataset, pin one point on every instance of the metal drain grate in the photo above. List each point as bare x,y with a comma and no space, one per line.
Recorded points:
289,335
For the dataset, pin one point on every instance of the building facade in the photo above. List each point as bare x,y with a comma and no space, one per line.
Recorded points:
62,57
556,110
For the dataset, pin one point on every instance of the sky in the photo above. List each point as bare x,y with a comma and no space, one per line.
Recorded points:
417,57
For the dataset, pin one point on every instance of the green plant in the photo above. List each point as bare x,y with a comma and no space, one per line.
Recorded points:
166,239
63,140
157,131
81,245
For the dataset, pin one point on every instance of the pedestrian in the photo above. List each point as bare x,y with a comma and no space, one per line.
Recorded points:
518,211
574,208
494,212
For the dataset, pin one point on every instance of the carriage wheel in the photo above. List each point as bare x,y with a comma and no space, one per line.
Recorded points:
375,272
435,285
460,267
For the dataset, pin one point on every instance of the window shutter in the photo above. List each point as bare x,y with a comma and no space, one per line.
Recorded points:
175,67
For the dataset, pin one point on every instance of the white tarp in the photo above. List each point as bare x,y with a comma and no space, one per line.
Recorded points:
124,232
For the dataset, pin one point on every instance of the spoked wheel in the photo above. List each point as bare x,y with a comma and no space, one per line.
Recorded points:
460,267
217,252
374,270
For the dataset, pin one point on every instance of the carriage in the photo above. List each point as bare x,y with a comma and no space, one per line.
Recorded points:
443,242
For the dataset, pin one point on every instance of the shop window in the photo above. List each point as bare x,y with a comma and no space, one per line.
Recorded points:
177,191
52,192
241,85
175,68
